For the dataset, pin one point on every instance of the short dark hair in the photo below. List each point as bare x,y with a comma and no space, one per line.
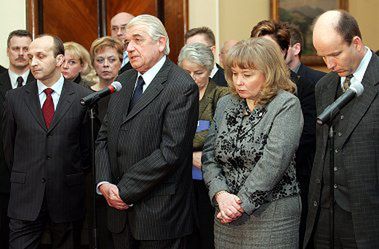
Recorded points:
348,27
201,31
58,44
18,33
296,36
279,32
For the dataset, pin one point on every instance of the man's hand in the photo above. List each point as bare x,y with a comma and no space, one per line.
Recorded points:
196,159
229,205
111,195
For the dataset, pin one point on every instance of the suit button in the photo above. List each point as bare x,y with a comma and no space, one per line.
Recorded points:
336,151
335,186
339,134
317,181
43,180
342,117
315,203
335,168
48,157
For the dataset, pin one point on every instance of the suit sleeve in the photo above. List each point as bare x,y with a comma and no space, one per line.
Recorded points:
179,126
9,132
212,171
103,167
282,142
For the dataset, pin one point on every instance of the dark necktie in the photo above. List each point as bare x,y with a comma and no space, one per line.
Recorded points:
20,80
346,83
48,107
138,91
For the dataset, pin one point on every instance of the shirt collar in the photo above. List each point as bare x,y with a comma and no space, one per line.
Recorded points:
296,69
13,77
214,70
150,74
57,86
360,72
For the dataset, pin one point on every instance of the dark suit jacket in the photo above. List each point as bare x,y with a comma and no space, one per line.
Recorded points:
147,152
5,85
309,73
306,150
126,67
360,150
2,69
219,77
46,163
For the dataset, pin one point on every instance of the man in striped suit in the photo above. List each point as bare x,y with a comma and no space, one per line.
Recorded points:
144,148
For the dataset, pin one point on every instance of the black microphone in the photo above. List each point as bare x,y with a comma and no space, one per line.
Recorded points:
94,97
333,109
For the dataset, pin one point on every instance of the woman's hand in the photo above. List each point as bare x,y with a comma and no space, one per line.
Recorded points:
229,205
196,159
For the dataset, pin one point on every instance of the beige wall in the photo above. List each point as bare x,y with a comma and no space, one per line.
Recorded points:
13,16
238,17
366,14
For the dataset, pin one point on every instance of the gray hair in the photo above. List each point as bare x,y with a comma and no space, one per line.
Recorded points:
197,53
154,28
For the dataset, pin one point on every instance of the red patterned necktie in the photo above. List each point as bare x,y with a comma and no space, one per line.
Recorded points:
48,107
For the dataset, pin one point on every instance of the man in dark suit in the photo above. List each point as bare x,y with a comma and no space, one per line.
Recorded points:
144,148
293,57
337,38
17,75
205,35
118,28
46,149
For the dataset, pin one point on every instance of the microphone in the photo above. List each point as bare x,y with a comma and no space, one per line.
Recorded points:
333,109
94,97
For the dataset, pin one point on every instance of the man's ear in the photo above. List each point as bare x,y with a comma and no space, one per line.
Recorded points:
296,48
59,59
162,43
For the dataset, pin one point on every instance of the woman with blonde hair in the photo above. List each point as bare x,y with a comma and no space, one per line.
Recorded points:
77,66
248,157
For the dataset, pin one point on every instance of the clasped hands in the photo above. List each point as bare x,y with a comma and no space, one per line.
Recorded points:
112,196
229,205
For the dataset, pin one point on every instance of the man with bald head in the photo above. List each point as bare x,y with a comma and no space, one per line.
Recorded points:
118,31
337,38
46,149
225,49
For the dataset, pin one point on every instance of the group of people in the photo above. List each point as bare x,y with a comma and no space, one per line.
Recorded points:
193,154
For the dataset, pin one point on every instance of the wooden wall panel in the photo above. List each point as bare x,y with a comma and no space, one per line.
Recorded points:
71,20
83,21
134,7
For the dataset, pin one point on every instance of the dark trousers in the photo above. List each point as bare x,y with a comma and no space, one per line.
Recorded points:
343,230
125,240
4,221
304,189
27,234
203,235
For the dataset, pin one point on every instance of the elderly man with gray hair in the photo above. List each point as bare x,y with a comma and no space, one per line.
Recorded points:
144,147
197,59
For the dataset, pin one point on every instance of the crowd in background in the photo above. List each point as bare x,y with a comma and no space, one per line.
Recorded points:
189,154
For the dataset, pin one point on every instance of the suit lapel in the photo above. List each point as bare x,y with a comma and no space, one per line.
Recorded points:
33,104
65,101
207,98
152,91
363,102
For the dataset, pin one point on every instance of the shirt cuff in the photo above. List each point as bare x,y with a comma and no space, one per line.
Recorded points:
98,185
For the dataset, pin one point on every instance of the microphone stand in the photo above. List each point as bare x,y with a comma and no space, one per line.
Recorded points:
331,184
92,115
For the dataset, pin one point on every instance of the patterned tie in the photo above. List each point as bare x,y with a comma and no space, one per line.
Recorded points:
20,80
48,107
137,92
346,83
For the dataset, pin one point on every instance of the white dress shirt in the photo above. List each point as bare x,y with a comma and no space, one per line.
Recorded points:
57,90
13,76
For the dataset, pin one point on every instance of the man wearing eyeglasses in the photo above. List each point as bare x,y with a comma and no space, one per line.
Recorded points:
118,30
